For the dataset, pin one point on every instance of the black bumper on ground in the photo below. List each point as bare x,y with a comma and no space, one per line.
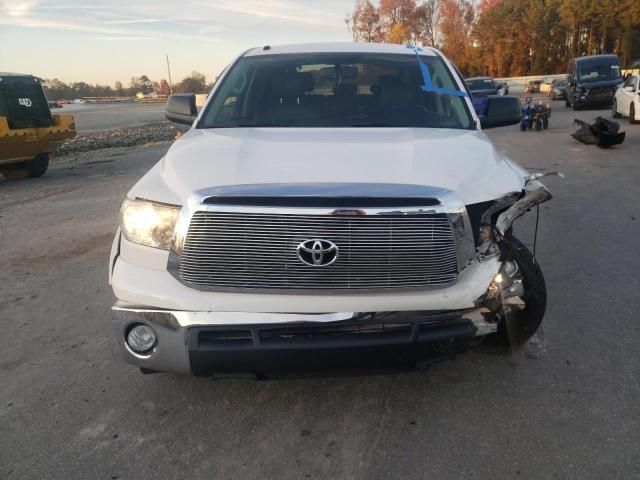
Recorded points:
392,341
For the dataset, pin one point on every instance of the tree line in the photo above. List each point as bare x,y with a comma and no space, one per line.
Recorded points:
504,37
57,89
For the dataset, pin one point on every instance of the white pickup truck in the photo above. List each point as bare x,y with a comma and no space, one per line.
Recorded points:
332,207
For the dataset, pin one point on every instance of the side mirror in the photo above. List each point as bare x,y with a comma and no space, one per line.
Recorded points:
181,108
500,111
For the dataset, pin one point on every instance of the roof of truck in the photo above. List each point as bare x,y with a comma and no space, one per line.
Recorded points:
338,47
9,74
604,55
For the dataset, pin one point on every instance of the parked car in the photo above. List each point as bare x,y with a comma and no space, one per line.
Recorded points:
54,104
633,68
558,87
532,86
546,85
333,206
626,101
483,86
592,81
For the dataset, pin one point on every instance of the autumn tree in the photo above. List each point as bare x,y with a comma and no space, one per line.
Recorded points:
505,37
194,83
141,84
364,22
426,19
456,19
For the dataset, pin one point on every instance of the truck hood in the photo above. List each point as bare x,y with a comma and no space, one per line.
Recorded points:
462,161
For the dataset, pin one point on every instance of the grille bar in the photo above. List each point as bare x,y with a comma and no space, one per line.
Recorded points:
234,250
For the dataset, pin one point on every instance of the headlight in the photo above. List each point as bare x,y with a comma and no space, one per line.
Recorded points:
148,223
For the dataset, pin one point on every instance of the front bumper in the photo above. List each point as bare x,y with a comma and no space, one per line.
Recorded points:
263,344
588,100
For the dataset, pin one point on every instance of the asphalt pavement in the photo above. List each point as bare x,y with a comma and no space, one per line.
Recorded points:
91,117
70,408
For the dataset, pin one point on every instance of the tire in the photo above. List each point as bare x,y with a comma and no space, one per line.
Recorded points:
38,166
632,114
32,169
523,323
614,109
575,107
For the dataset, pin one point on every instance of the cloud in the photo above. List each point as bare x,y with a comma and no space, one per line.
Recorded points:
17,8
134,21
120,38
286,10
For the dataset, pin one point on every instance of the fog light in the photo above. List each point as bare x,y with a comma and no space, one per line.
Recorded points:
141,338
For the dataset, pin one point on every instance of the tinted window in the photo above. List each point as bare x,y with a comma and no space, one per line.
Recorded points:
598,69
480,84
335,90
23,103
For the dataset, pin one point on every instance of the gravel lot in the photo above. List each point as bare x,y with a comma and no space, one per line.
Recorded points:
71,409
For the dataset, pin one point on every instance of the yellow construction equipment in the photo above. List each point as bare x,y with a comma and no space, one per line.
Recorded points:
28,130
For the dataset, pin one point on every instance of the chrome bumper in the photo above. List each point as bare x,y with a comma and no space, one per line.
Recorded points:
172,328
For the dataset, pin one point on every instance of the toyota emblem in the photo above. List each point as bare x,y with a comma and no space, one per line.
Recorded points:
317,252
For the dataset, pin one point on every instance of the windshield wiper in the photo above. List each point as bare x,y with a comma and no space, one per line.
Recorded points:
260,125
378,124
243,125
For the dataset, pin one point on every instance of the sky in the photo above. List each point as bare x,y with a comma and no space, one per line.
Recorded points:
104,41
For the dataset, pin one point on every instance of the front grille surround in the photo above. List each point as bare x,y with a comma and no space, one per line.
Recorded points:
443,223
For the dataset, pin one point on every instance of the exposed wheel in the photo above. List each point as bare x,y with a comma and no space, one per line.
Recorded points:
38,166
545,123
632,114
575,107
518,326
614,109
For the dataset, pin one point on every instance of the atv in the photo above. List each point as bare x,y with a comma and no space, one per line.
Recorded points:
534,115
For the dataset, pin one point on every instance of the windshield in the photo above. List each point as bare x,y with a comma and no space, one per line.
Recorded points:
336,90
480,84
598,69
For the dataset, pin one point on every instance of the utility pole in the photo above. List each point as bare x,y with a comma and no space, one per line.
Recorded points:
169,73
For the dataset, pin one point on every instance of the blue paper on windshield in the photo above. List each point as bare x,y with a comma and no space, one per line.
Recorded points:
426,78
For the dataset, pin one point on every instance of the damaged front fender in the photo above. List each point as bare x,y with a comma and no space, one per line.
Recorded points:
535,193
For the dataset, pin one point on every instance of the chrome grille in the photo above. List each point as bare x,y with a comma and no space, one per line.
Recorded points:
224,250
